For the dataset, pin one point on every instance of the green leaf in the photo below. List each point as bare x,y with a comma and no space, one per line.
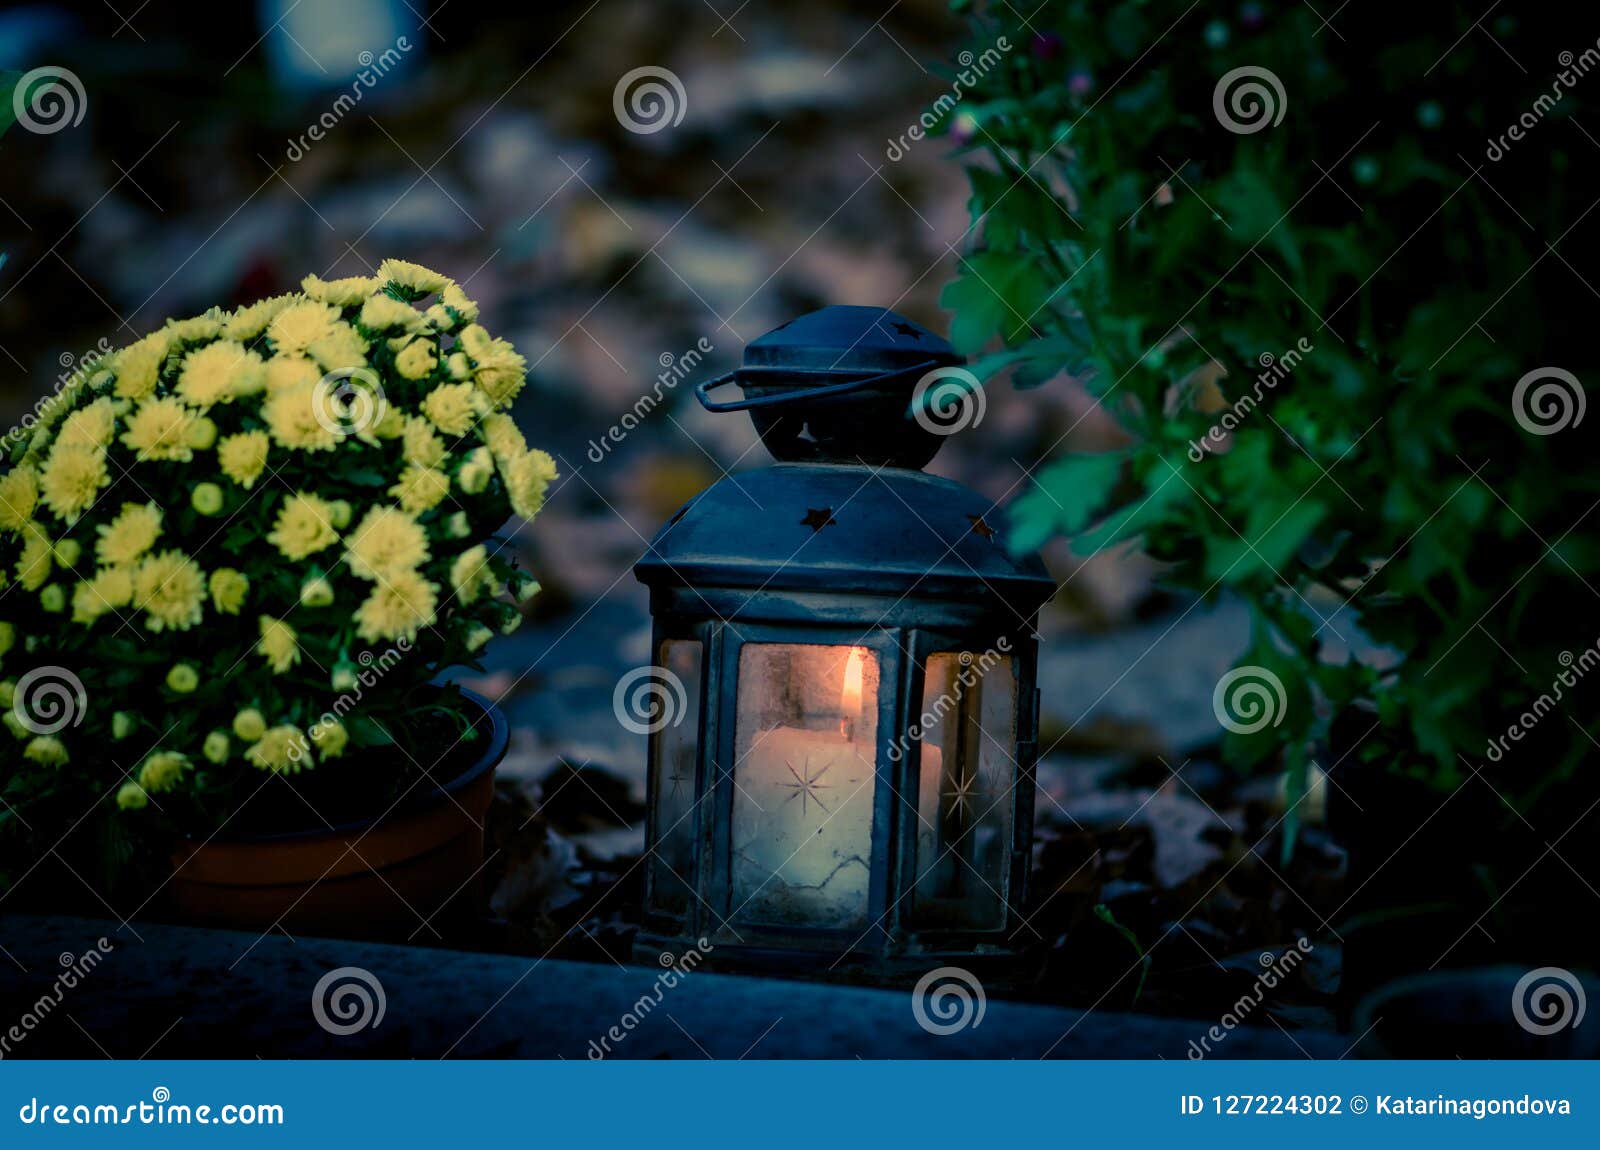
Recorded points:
1065,497
1270,539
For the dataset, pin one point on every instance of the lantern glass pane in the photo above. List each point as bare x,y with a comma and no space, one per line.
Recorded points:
674,750
966,788
804,777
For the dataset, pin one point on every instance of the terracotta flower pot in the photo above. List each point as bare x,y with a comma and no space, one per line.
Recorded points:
377,877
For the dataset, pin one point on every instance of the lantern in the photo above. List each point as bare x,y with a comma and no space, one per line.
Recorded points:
841,767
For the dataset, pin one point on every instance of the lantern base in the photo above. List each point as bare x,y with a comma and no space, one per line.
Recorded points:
996,968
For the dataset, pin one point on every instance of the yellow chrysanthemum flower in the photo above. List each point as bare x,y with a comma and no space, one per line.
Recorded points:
284,372
220,373
216,747
171,591
303,527
386,541
391,424
158,429
182,678
71,478
19,496
279,644
248,322
138,366
243,457
478,637
330,738
68,552
420,488
451,408
346,292
228,590
504,437
292,416
470,574
421,444
400,603
90,426
412,276
36,560
476,471
202,433
456,300
316,592
283,750
127,537
385,313
8,640
294,329
417,360
206,498
457,526
163,771
527,479
249,724
107,591
341,347
195,329
53,599
46,750
131,797
502,378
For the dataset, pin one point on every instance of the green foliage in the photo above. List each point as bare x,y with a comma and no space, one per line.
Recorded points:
1401,537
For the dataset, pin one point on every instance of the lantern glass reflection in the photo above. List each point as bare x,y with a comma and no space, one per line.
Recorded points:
965,792
674,749
804,778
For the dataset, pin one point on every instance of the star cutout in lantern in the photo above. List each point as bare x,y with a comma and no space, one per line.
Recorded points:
980,527
817,518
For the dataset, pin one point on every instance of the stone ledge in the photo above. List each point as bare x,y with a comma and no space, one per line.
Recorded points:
184,992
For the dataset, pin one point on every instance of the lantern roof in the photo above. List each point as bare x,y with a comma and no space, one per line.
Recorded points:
846,339
844,528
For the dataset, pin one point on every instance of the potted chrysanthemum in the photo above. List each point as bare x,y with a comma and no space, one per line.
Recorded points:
234,558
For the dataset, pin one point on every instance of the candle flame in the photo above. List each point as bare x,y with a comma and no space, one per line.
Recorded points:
850,697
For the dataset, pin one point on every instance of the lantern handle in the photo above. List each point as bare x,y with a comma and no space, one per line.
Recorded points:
703,391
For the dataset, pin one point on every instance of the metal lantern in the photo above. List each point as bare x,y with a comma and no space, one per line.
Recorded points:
843,770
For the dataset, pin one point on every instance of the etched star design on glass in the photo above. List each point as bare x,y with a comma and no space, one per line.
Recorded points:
967,794
806,785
